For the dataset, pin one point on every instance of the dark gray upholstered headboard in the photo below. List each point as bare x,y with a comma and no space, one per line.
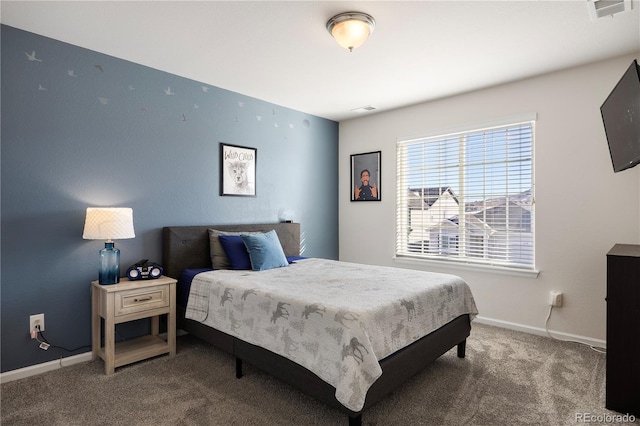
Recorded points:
188,246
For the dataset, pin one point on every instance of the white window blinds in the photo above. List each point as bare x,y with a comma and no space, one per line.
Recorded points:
468,197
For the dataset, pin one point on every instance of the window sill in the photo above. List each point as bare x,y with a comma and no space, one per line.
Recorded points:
525,273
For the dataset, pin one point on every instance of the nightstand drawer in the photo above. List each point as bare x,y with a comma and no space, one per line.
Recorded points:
140,300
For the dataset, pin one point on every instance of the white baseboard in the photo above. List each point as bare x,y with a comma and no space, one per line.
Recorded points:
33,370
542,332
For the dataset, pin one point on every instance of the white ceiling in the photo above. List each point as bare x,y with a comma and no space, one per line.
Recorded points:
280,51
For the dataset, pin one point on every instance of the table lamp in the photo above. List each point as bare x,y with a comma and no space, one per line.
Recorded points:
109,223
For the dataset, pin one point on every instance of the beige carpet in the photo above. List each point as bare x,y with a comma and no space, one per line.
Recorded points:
507,378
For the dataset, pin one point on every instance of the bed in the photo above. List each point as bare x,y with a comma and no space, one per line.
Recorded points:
187,249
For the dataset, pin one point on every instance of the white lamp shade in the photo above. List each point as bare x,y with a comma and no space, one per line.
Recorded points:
108,223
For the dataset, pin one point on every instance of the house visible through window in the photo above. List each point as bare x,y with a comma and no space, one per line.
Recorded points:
468,196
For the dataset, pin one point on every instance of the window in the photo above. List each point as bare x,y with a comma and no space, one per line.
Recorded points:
468,197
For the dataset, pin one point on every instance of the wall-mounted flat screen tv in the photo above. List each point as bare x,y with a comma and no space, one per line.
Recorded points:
621,117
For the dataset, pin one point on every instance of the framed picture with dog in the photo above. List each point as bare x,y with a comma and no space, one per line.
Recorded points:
365,177
237,170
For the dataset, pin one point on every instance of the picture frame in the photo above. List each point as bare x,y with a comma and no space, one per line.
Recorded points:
237,170
366,187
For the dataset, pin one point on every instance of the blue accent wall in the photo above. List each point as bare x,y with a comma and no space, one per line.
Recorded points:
82,129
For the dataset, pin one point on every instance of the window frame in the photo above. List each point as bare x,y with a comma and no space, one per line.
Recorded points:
470,259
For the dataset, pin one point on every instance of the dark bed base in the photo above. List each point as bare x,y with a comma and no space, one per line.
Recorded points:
396,368
188,247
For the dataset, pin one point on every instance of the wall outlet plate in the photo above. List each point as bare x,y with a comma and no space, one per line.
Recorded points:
34,320
555,298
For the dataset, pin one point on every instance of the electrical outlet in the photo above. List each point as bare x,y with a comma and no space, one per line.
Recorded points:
36,322
555,298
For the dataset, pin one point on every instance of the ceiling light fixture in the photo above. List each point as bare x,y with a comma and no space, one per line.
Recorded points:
351,29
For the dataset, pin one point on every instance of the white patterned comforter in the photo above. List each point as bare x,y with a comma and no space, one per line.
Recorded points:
337,319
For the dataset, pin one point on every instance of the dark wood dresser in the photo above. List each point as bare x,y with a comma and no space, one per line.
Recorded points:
623,329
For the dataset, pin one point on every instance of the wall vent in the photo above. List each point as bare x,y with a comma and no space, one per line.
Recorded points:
603,8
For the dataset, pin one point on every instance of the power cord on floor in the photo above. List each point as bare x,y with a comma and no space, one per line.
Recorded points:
546,327
45,344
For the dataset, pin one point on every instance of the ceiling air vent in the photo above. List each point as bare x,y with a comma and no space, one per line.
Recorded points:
601,8
364,109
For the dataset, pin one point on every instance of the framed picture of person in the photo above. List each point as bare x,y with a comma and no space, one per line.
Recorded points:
365,176
237,170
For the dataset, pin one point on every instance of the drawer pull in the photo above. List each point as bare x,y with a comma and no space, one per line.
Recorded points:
142,299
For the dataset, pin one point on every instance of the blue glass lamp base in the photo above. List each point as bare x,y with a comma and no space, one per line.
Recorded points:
109,272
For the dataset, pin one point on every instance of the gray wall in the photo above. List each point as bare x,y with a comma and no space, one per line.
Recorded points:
582,207
82,129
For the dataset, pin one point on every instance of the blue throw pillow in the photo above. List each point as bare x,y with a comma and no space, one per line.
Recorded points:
236,251
265,251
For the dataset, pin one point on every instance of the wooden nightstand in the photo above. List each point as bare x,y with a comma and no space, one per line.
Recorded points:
128,301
